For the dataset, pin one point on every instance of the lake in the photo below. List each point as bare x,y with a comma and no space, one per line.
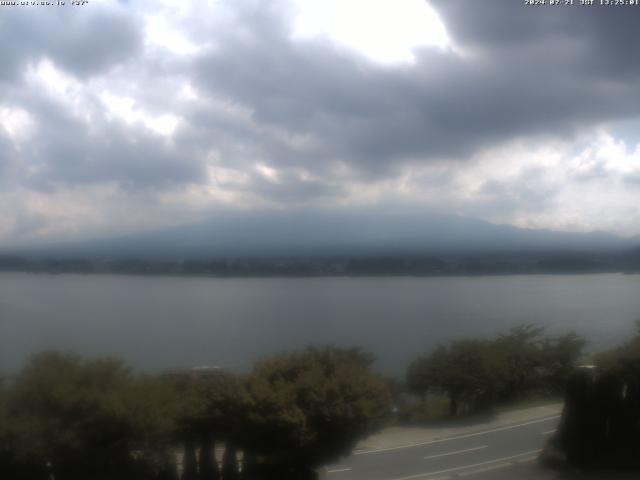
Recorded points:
156,323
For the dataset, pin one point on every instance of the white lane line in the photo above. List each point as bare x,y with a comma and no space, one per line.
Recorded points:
489,468
465,467
456,452
469,435
549,432
338,470
496,466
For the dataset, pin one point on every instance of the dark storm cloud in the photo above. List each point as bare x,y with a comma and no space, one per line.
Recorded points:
83,41
524,72
323,117
601,37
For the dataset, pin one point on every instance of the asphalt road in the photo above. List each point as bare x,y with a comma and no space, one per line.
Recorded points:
494,453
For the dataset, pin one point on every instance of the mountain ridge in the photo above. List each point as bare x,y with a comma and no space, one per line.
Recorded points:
320,233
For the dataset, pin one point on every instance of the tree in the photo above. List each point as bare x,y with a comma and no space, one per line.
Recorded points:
627,353
476,374
209,408
423,373
521,354
472,375
600,423
560,356
468,371
85,418
309,408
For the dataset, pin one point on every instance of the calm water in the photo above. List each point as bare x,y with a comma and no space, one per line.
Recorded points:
162,322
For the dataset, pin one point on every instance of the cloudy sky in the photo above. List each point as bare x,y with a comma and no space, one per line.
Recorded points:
117,117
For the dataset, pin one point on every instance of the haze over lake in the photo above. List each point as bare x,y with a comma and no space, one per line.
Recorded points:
157,323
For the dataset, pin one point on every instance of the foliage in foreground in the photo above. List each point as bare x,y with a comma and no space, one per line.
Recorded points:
600,426
85,419
94,420
477,374
313,406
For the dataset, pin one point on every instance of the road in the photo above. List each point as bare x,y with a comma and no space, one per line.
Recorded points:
487,454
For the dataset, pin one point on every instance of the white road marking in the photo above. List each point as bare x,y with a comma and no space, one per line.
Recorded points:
338,470
549,432
469,435
456,452
465,467
497,466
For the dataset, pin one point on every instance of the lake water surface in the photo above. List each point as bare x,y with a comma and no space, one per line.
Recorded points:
156,323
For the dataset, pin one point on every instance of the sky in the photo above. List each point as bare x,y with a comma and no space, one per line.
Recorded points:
118,117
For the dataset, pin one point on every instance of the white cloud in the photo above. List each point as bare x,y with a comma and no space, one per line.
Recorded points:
280,116
187,92
127,110
384,30
579,185
17,122
45,77
269,173
161,32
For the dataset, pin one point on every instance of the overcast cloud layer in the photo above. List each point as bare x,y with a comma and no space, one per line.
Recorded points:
118,117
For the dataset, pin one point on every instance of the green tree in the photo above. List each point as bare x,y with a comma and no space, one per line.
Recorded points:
425,373
86,419
308,408
560,356
521,355
627,353
468,371
475,374
472,376
210,407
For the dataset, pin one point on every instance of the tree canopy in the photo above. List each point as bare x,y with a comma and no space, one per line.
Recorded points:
626,354
313,406
477,373
86,419
75,418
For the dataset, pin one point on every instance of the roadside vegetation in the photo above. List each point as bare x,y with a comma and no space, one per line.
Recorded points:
600,427
475,376
70,418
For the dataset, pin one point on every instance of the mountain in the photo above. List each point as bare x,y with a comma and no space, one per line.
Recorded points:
324,233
